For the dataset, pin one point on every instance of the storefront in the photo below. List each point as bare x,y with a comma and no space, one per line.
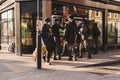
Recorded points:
80,12
94,12
18,26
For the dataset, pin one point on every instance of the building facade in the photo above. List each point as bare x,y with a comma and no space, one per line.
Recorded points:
18,20
18,26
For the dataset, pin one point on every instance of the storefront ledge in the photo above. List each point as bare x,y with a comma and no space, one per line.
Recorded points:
4,51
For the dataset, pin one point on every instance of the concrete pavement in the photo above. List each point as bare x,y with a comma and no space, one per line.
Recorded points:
14,67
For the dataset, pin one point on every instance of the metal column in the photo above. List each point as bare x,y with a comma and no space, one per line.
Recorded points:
38,37
105,21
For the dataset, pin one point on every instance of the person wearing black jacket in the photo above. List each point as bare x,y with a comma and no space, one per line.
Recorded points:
56,34
95,35
48,38
70,34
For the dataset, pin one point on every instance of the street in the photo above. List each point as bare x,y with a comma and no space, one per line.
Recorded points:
14,67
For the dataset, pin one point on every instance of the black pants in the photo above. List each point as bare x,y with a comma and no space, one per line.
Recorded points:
96,45
69,48
58,49
50,50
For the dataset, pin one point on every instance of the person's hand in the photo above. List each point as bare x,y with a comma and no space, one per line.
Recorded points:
54,39
82,36
66,42
81,29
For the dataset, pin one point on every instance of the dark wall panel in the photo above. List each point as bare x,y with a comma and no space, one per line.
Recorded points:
29,7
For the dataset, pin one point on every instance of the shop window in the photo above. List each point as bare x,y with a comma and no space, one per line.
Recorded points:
7,28
4,27
95,17
111,33
10,23
26,29
113,29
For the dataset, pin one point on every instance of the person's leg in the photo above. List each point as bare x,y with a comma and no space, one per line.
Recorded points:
60,52
96,46
55,52
49,54
80,50
70,52
65,49
50,51
88,48
75,52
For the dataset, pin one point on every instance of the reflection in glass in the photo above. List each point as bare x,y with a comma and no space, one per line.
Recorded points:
26,29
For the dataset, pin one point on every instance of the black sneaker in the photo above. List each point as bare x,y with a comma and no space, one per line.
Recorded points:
80,56
95,53
48,61
89,57
59,57
75,59
70,59
55,58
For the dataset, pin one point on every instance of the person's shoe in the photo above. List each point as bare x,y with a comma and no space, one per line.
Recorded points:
75,59
89,57
70,59
59,57
55,58
80,56
49,63
95,53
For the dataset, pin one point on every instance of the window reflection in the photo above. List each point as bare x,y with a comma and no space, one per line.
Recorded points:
26,29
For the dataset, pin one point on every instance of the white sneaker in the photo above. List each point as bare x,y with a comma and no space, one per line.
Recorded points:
48,63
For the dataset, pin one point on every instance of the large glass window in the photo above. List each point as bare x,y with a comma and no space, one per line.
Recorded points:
113,30
95,17
7,27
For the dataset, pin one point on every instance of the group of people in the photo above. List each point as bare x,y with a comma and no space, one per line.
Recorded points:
74,36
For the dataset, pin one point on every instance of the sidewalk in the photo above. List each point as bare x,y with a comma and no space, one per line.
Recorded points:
14,67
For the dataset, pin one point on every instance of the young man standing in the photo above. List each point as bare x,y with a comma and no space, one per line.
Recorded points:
70,34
